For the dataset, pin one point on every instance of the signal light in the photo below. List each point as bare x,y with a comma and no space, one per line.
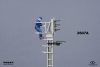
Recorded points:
56,25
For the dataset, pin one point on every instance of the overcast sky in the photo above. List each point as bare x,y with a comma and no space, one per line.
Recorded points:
19,43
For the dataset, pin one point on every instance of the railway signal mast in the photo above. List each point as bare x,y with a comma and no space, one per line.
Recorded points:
46,31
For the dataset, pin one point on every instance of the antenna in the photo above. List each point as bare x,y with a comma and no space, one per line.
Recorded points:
46,31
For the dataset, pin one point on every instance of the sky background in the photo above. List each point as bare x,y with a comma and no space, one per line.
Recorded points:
19,43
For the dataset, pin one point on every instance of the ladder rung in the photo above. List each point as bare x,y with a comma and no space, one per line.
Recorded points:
46,46
50,65
46,52
49,59
48,39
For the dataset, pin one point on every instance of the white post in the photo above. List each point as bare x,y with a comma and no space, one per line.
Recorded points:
49,34
49,39
50,47
50,54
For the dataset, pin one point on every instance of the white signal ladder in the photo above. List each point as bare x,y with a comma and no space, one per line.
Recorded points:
49,53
